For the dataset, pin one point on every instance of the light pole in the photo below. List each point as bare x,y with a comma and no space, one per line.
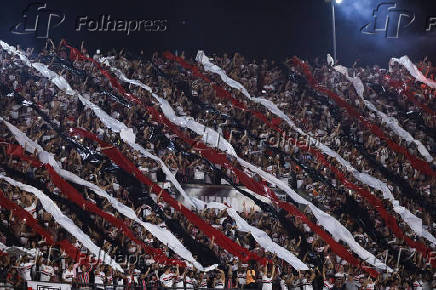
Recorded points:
334,26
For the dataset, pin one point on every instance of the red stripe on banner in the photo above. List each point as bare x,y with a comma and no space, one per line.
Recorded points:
69,191
73,195
377,203
403,87
374,201
221,158
417,163
220,239
23,215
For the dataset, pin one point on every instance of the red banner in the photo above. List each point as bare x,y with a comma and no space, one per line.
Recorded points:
25,216
403,87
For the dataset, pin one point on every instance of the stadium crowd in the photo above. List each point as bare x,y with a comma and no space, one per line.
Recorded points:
45,114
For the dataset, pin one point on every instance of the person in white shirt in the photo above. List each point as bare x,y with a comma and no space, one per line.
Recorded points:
328,281
220,281
26,268
418,284
283,283
368,284
178,279
47,271
241,278
306,281
190,282
267,277
109,280
118,277
99,278
202,281
167,278
69,274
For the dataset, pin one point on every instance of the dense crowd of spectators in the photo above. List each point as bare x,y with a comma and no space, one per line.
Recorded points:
252,140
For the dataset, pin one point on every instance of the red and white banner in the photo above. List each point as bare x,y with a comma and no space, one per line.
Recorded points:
218,158
412,69
163,235
416,163
414,222
220,239
390,122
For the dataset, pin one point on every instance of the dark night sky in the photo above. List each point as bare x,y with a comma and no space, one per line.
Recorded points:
273,29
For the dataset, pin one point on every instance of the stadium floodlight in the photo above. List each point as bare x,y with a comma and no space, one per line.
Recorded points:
334,25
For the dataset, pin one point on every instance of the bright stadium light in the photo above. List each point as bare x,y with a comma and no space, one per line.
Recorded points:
334,25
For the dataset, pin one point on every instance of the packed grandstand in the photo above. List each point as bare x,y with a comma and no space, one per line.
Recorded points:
97,151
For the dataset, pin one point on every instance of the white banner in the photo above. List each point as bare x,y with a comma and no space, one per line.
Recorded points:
13,249
261,238
36,285
413,70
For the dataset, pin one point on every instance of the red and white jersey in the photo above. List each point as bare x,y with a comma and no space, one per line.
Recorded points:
25,270
189,282
99,278
132,279
203,283
241,278
219,284
46,273
178,281
327,285
167,280
266,282
418,285
68,275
